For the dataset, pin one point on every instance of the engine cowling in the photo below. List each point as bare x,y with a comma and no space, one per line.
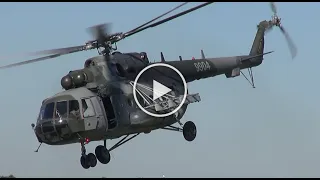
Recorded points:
75,79
130,64
66,82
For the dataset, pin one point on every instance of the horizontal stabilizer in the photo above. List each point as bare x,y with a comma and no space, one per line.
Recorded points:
255,56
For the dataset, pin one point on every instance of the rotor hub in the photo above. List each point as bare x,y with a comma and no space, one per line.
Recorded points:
276,21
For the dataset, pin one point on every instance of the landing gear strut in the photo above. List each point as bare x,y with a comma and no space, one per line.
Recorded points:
189,130
89,160
102,153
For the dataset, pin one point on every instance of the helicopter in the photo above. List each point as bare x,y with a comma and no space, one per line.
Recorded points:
99,103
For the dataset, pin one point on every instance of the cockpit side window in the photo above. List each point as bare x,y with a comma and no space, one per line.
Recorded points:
74,110
48,111
41,114
61,109
87,108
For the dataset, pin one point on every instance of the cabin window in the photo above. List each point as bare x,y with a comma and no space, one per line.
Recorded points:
87,108
48,111
61,109
74,110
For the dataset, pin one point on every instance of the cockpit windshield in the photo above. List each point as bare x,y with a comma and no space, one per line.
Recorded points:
47,112
61,109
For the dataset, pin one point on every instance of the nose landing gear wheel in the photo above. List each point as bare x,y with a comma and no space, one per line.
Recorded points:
88,161
189,131
103,154
84,162
92,160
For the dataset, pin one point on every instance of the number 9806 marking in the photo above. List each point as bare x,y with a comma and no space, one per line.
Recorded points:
202,66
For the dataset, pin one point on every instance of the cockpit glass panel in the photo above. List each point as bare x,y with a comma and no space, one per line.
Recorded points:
87,108
61,109
74,110
48,111
41,114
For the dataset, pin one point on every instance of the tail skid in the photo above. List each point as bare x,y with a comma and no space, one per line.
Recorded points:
250,72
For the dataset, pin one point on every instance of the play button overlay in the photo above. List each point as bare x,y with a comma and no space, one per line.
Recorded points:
160,90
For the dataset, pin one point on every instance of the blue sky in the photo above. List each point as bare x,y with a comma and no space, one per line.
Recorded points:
270,131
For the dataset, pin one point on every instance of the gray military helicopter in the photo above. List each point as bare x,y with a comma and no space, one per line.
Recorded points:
98,101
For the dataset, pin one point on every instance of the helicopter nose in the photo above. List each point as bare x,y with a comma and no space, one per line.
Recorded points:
52,130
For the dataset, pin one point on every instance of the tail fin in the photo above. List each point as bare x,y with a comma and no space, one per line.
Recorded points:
257,50
258,43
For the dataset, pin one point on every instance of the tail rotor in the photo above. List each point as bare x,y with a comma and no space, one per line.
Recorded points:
276,21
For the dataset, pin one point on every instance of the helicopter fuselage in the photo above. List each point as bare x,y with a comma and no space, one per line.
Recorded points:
107,94
104,89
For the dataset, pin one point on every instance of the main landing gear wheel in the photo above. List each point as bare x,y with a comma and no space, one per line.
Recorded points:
103,154
189,131
89,160
92,160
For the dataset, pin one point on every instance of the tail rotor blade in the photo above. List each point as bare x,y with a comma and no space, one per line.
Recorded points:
292,46
273,7
276,22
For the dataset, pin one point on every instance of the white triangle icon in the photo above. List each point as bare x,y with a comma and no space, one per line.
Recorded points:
159,90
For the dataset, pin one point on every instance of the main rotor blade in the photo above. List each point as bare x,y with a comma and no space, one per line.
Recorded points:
167,19
273,7
37,59
59,50
292,47
135,29
100,32
30,61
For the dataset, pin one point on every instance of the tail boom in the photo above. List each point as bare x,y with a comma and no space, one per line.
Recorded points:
230,66
205,68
